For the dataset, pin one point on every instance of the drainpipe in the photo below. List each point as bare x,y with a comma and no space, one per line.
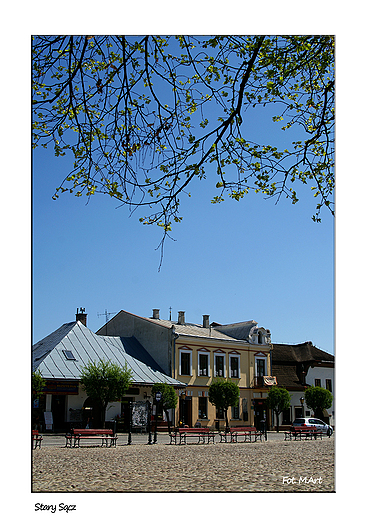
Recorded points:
175,336
271,359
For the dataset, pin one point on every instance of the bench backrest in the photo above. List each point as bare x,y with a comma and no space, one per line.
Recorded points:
242,429
304,428
92,431
193,430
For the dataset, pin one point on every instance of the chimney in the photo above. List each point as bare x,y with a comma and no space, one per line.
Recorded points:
181,317
156,314
206,321
81,316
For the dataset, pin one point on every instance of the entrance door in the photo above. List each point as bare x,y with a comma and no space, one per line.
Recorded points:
58,411
298,412
125,415
260,415
185,411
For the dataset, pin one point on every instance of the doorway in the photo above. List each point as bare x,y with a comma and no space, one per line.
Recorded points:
261,418
58,412
185,411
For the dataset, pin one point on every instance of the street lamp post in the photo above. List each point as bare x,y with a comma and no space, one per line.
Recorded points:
182,413
130,422
157,398
302,401
149,423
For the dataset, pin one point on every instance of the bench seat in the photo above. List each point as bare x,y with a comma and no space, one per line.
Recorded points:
202,434
247,432
76,435
36,439
305,432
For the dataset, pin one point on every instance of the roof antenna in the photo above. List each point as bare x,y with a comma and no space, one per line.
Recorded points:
107,314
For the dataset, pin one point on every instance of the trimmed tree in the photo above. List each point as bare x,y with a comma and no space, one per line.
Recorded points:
223,394
318,399
38,384
169,398
105,382
278,400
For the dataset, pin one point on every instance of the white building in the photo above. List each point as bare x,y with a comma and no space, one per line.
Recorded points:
297,367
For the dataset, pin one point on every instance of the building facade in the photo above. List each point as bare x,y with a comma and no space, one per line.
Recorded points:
198,354
297,367
60,358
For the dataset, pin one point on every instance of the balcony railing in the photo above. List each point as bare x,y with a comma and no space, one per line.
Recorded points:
262,381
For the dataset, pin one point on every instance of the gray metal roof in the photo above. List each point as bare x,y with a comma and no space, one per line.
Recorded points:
193,329
85,345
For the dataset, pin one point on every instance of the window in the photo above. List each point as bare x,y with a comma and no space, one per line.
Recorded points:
234,365
317,382
235,412
260,337
328,384
219,364
203,363
203,407
286,419
69,355
244,409
260,367
185,363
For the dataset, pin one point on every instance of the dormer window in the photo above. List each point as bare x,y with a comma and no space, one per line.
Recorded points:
69,355
260,337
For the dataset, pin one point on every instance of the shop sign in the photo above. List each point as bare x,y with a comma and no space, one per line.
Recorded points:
61,388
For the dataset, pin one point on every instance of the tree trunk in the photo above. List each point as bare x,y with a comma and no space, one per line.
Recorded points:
103,416
277,414
226,416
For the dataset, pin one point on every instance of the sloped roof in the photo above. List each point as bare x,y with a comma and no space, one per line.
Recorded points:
193,329
240,330
287,376
289,360
48,355
301,353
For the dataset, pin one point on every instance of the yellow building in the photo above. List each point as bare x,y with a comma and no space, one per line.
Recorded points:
197,355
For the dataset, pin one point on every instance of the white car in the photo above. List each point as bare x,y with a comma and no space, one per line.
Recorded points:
312,421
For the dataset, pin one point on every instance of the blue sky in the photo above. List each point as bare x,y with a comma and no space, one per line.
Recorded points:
235,261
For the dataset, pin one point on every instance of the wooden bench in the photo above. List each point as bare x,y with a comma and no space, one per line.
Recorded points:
202,434
74,437
247,432
305,432
36,439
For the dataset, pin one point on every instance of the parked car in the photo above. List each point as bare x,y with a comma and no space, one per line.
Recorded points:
311,421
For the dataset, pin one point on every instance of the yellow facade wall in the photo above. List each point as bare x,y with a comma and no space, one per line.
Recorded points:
198,384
